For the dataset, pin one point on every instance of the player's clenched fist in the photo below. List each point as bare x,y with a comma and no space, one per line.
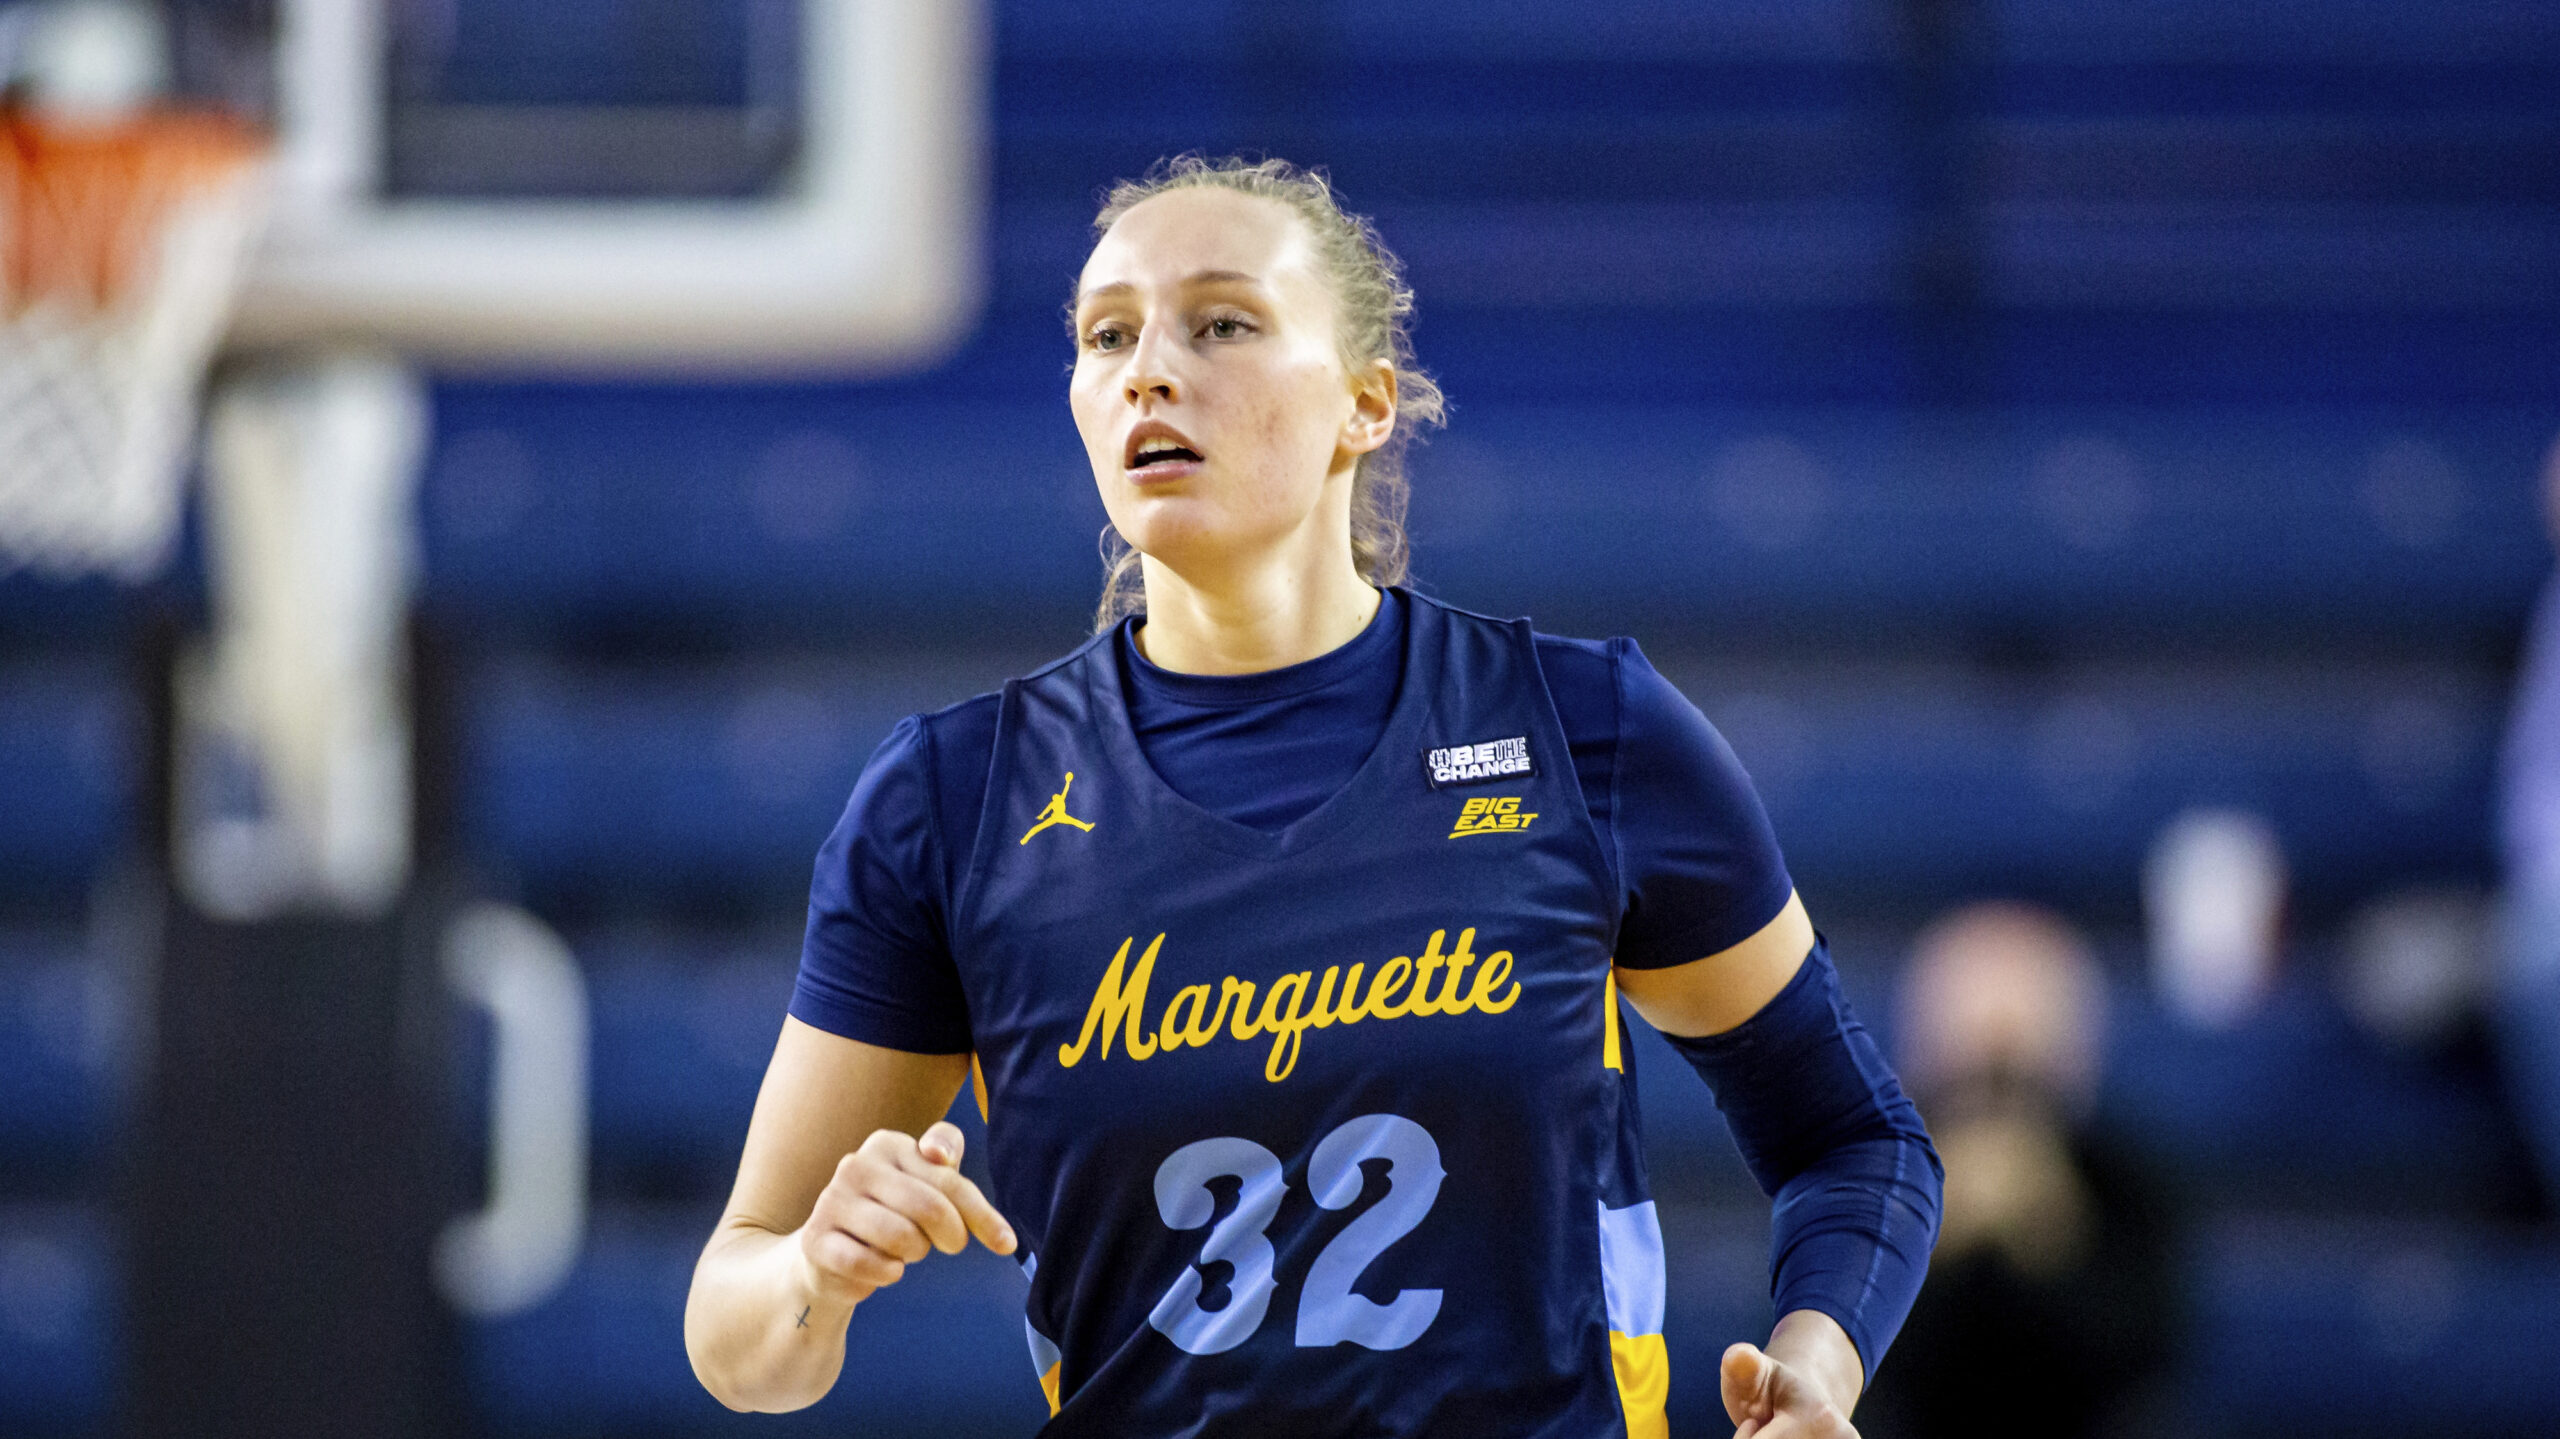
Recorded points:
889,1203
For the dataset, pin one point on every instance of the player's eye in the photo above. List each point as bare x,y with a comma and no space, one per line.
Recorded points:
1225,327
1105,337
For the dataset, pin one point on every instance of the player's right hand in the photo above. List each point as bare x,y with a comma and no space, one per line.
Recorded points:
889,1203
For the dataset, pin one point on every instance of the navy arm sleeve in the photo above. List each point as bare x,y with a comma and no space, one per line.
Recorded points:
1821,1121
1827,1131
875,963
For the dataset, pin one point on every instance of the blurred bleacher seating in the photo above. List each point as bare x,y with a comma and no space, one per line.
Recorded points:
2013,423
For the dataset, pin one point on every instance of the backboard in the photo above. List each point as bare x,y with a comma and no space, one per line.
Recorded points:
865,257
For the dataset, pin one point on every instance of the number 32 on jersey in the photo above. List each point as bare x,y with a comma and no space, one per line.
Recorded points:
1328,1312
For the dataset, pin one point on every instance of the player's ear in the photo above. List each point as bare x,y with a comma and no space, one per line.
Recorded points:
1373,407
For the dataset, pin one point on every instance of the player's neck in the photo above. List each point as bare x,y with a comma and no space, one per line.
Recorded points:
1265,618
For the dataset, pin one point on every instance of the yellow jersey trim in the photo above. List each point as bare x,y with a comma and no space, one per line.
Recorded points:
1643,1366
1609,1055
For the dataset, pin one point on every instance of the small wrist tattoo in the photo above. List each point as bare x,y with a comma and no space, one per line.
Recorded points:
804,1318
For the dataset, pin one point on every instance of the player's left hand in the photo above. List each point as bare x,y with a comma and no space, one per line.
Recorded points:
1767,1399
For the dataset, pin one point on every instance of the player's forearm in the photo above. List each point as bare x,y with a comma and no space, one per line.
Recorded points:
1813,1343
760,1337
1826,1129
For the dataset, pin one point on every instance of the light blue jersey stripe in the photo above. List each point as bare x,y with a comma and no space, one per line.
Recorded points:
1631,1276
1044,1355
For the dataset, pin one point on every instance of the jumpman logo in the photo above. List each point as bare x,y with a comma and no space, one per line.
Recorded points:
1056,813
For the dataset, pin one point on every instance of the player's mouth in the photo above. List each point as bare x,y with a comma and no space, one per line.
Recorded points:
1156,452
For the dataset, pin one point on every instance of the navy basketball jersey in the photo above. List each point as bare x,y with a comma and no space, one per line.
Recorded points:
1321,1131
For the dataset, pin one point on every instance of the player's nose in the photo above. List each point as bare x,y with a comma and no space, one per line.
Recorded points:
1152,369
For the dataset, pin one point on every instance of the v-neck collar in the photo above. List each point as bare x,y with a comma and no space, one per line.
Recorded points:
1400,737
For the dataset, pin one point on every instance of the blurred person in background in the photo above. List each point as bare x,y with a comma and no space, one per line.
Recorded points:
1272,762
2050,1305
2528,1004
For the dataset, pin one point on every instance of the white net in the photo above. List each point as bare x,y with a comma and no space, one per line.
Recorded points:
121,247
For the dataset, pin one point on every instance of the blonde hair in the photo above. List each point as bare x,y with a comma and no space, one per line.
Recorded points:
1374,309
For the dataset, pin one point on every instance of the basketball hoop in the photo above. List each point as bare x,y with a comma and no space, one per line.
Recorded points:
122,243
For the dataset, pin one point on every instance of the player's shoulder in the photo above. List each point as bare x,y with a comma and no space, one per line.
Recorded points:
929,777
958,723
963,734
1060,668
1607,688
957,742
1573,657
1582,680
956,739
1581,674
1546,643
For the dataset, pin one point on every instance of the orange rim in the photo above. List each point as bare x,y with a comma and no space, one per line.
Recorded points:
81,206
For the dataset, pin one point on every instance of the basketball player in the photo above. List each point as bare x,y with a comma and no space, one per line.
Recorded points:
1285,922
